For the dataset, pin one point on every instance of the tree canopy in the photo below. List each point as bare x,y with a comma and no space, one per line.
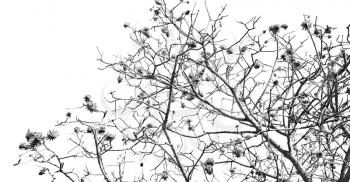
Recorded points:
192,105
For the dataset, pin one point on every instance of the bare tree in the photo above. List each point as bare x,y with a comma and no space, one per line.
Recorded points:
192,106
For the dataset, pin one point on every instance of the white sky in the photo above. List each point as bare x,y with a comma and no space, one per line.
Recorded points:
48,55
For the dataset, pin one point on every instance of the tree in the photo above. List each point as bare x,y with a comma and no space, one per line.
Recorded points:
192,106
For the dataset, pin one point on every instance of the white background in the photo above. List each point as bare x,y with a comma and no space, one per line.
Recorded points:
48,55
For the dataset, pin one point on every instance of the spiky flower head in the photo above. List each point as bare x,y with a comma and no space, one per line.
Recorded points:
24,146
145,32
77,129
243,49
52,134
256,65
156,12
119,79
149,125
89,130
68,114
305,25
191,44
90,106
274,29
34,139
317,32
164,175
289,51
296,64
165,31
42,171
87,98
30,135
232,170
237,152
101,130
109,137
327,30
229,51
209,162
126,25
284,26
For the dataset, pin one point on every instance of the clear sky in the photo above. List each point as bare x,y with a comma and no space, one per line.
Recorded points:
48,55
